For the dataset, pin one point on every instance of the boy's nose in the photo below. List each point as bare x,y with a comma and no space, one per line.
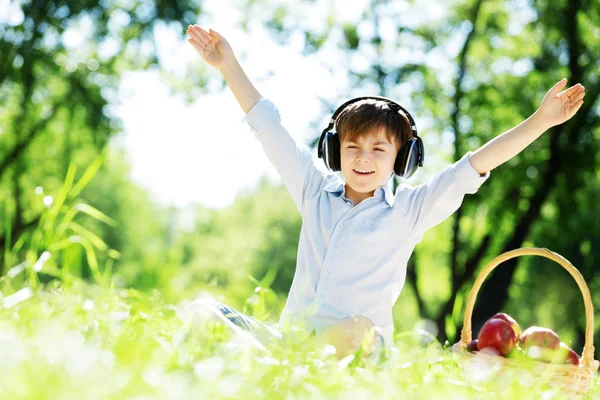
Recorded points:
363,155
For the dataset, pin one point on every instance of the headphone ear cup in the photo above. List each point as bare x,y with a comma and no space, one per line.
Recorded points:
337,157
406,160
331,151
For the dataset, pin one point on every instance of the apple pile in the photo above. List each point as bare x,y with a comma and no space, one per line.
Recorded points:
502,336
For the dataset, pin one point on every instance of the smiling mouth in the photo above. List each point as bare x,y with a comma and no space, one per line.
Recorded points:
363,173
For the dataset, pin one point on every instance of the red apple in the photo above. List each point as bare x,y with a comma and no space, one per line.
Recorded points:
472,346
539,336
498,334
561,355
543,354
511,321
572,357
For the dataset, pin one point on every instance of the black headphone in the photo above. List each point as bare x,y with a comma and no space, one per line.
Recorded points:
410,156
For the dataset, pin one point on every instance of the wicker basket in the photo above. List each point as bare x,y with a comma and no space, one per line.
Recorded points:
572,381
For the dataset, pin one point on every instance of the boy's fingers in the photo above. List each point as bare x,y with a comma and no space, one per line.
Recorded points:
561,83
558,87
577,97
574,95
573,90
196,42
205,35
192,33
216,34
198,36
197,46
575,108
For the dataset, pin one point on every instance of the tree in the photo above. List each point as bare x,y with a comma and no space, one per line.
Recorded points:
60,63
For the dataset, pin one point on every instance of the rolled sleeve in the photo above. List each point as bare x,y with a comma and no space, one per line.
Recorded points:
261,115
467,176
293,161
431,203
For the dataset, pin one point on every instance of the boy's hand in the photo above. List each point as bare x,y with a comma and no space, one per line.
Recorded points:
212,47
558,107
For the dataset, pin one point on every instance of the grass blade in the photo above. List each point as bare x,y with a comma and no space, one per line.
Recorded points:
95,213
87,176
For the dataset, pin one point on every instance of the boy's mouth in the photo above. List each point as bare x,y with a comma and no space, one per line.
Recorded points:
363,173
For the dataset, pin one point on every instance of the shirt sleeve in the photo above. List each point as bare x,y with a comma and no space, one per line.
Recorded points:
292,161
434,201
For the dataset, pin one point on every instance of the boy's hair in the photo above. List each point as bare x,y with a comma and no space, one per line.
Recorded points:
365,116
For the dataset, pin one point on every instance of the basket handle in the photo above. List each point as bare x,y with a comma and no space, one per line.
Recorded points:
588,349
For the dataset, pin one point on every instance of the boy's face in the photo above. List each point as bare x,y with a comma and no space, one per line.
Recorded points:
373,153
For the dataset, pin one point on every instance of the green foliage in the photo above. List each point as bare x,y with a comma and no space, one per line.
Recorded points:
58,237
98,342
351,36
141,232
223,251
57,97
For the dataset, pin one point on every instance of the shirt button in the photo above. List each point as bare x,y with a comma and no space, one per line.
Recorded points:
327,273
321,296
333,248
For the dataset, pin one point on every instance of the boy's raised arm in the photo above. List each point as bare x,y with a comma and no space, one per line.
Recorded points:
557,107
217,52
293,161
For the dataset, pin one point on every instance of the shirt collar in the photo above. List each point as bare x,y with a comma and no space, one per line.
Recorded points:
337,186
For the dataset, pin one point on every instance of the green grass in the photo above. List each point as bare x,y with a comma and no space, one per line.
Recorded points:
85,341
72,339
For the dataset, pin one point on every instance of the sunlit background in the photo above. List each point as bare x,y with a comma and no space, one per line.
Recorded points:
208,145
180,201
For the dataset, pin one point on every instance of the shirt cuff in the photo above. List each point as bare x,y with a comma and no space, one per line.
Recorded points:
262,114
468,176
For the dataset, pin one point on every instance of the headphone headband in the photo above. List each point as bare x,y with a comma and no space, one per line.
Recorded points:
410,156
339,110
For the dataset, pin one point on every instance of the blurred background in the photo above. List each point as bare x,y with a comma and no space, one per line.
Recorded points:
195,206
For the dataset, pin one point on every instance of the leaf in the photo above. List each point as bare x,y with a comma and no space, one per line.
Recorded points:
108,270
60,198
20,242
93,238
95,213
44,233
66,220
62,244
90,255
114,254
89,173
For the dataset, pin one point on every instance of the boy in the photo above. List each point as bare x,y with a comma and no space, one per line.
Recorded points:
356,235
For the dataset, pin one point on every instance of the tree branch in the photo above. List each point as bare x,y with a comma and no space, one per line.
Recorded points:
412,278
18,218
458,95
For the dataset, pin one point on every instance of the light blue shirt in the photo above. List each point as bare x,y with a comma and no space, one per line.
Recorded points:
352,259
